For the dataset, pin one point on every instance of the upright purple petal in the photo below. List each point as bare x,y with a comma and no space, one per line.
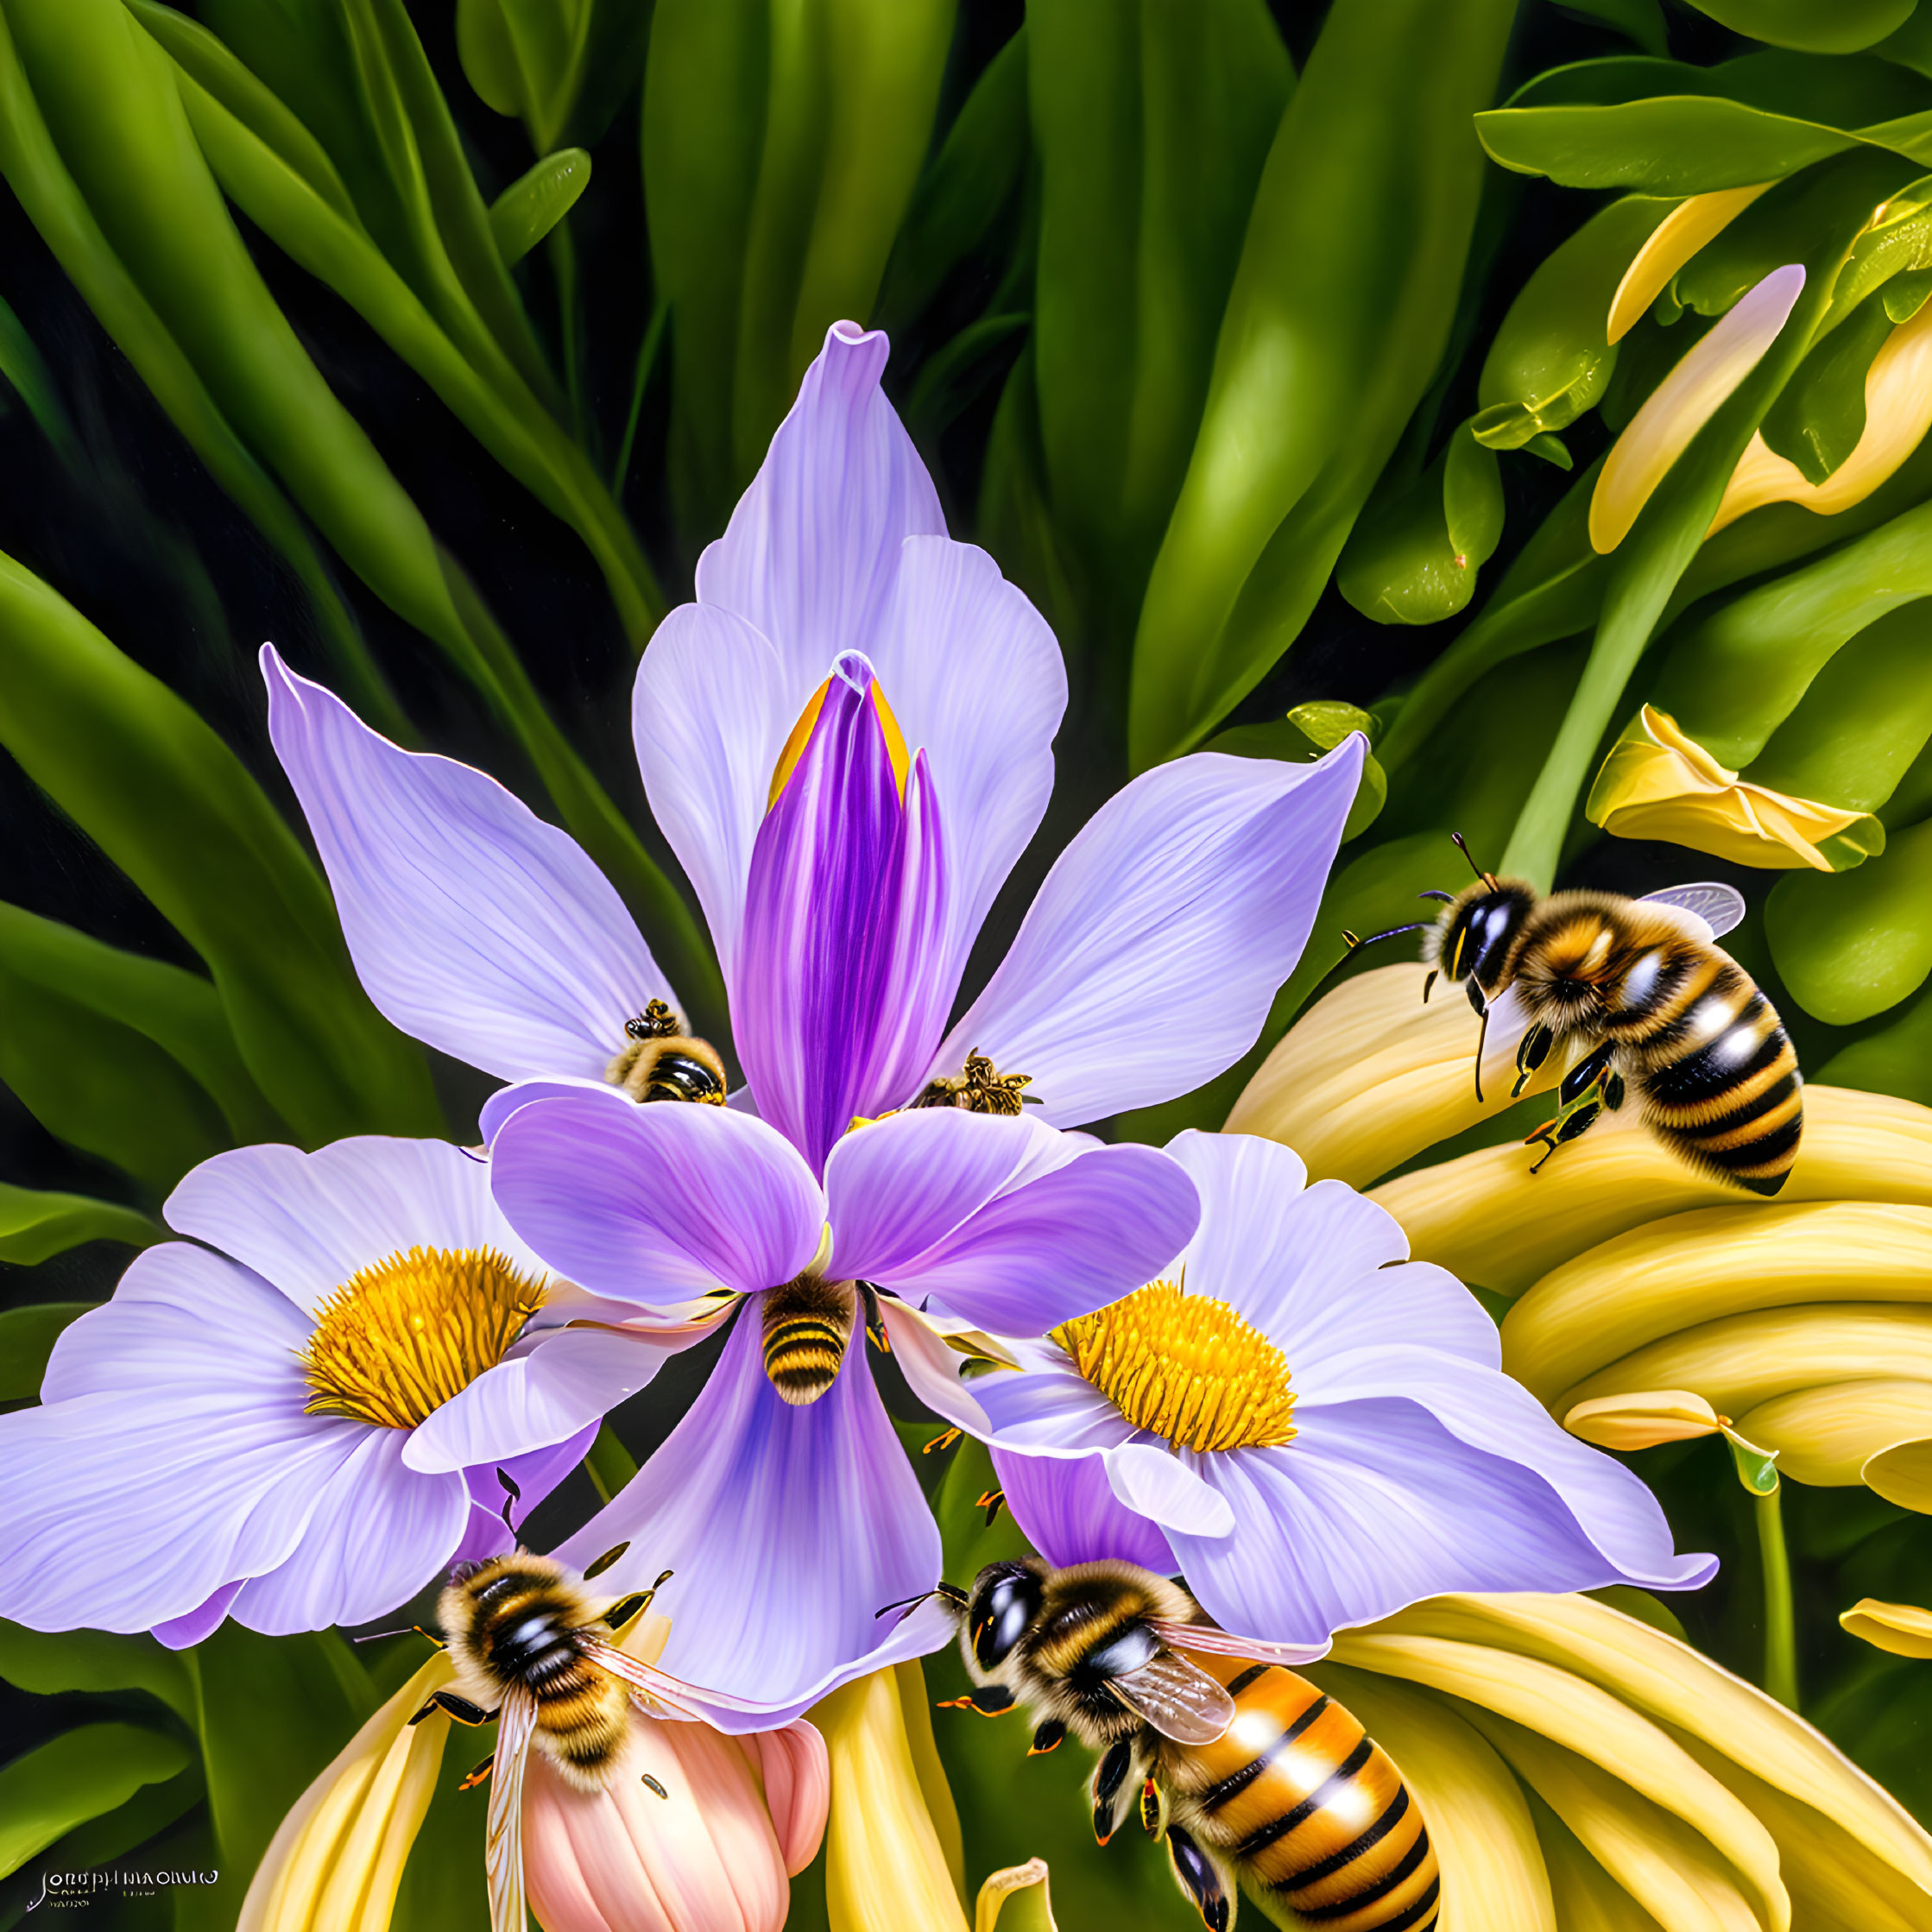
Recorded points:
474,925
1315,1268
837,998
788,1528
712,707
810,554
1070,1514
307,1221
1184,902
655,1204
1011,1225
978,684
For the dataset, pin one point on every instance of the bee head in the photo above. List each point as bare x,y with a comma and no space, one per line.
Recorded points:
1472,939
1004,1600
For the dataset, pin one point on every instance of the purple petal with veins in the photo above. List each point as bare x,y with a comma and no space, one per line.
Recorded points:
840,994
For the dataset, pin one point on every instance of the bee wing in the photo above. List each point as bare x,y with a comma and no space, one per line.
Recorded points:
666,1693
516,1724
1720,907
1227,1642
1179,1699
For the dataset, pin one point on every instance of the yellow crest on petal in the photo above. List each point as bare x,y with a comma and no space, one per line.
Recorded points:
1659,783
801,736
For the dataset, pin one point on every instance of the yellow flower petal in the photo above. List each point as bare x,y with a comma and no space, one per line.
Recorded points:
1485,1838
1746,1360
1828,1435
1897,413
1644,1419
1685,401
335,1864
1489,1220
916,1709
1020,1891
1369,1076
1672,243
1902,1628
1678,1686
886,1866
1664,1865
1641,1286
1901,1474
1597,1727
1588,1898
1659,784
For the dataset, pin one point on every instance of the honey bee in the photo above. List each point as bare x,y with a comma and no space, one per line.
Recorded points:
663,1063
537,1651
979,1088
1253,1774
1665,1015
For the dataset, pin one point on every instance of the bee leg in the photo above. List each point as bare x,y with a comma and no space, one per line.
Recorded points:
1531,1052
1110,1776
1565,1127
992,1502
1048,1737
1201,1880
1585,1074
1154,1806
990,1700
451,1705
479,1773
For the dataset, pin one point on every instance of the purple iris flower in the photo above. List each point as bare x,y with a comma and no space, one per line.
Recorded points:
847,740
789,1527
1313,1429
305,1427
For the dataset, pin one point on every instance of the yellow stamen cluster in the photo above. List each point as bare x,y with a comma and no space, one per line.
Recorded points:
1187,1368
396,1341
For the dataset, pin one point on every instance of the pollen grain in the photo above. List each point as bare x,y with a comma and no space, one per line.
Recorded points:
1185,1367
399,1339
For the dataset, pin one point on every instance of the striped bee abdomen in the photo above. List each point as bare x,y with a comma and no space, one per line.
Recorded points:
807,1326
1309,1807
1721,1084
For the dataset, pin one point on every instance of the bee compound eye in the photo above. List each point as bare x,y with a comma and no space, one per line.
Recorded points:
1007,1603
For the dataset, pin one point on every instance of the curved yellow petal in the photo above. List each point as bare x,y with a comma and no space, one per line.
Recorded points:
1598,1727
1659,1861
1901,1474
1485,1838
1642,1419
1021,1892
336,1862
886,1866
1897,413
1671,1682
1685,401
1488,1221
1659,784
1745,1359
1369,1076
1828,1435
1588,1898
1902,1628
1640,1286
1672,243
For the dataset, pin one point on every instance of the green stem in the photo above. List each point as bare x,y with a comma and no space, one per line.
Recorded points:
609,1464
1781,1645
647,360
563,266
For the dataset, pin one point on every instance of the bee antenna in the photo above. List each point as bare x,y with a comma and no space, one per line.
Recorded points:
1447,899
948,1593
511,1494
1488,878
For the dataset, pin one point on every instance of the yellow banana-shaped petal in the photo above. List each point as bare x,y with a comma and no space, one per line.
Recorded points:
1672,243
1902,1628
1830,1433
1019,1898
1642,1419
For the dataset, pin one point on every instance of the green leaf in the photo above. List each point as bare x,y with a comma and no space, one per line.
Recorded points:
174,807
1414,555
609,1465
532,205
966,189
26,1337
1472,499
1642,20
1851,944
179,1011
23,366
1897,1059
1905,294
951,380
35,1226
1757,1468
1551,450
489,56
1817,420
1841,27
77,1776
148,1813
48,1662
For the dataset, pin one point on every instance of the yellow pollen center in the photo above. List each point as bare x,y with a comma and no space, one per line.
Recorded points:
801,736
396,1341
1185,1367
